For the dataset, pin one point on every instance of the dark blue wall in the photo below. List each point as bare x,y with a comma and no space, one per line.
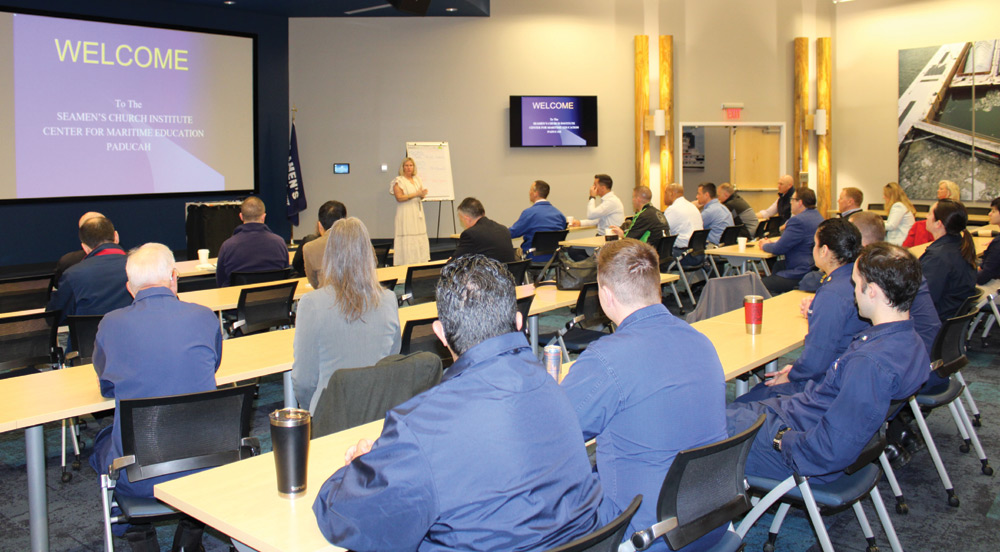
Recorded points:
41,232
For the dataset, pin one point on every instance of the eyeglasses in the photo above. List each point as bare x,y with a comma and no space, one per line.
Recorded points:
795,198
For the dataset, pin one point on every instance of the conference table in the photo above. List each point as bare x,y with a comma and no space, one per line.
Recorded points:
734,255
193,268
589,241
517,241
241,499
981,243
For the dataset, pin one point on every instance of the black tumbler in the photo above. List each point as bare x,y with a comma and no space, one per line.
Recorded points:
290,431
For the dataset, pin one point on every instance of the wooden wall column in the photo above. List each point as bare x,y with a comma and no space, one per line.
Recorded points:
824,86
641,109
667,105
801,108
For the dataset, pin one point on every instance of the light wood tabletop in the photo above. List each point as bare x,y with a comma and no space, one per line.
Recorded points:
241,499
590,241
751,251
981,244
517,241
187,269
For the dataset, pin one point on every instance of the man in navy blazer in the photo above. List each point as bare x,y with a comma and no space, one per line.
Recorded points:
95,285
795,243
481,235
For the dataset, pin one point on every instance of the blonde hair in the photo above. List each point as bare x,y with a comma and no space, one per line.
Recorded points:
349,268
894,193
954,193
410,159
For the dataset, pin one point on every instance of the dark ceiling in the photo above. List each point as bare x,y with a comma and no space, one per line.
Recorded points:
348,8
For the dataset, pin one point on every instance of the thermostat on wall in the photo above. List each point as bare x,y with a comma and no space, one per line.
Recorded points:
341,168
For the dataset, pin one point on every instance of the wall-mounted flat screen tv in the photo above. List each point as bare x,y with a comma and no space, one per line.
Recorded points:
106,109
553,121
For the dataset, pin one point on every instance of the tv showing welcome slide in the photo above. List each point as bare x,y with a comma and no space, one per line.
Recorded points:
553,121
100,109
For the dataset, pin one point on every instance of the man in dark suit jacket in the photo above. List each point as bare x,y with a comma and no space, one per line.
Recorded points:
482,235
95,285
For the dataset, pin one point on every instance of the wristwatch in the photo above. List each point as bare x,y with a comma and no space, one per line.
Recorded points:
776,443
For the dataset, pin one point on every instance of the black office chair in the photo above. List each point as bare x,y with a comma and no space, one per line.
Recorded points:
419,336
768,229
876,206
381,253
696,252
196,283
665,249
607,538
262,308
356,396
25,292
82,335
518,269
545,242
170,435
244,278
728,237
421,283
859,479
524,307
704,488
28,342
579,332
389,284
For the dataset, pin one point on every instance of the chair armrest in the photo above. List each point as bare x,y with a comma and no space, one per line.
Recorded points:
249,446
72,355
641,540
118,464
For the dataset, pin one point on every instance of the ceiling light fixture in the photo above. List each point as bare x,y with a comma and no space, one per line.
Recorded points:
451,10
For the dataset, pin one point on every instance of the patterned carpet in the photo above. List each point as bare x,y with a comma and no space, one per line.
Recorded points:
932,525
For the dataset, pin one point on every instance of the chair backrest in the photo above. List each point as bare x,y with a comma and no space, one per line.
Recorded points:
949,345
389,284
244,278
419,336
773,226
356,396
264,307
698,241
761,231
726,294
196,283
545,242
705,487
876,206
421,283
971,302
25,292
29,340
666,250
381,253
973,210
82,334
588,303
185,432
729,235
607,538
524,307
920,207
518,269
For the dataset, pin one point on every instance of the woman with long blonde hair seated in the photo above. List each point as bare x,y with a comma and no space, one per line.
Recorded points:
350,321
902,214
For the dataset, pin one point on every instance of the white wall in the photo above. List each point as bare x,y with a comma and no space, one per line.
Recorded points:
869,35
363,87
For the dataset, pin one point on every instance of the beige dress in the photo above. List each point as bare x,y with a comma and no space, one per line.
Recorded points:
411,244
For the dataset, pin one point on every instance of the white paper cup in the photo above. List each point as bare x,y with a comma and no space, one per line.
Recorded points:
203,256
570,220
741,243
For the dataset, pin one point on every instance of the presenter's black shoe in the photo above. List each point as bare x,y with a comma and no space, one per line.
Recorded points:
142,538
187,537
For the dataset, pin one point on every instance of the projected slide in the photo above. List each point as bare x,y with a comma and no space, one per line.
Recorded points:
551,121
102,109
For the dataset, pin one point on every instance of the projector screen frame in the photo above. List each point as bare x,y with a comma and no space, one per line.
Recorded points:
254,109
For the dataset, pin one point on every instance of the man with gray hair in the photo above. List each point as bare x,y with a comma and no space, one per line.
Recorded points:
482,235
743,214
155,347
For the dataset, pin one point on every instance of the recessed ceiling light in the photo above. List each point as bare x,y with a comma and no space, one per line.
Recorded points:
229,2
451,9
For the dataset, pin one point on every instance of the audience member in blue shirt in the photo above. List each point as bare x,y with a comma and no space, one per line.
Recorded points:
949,263
653,388
795,243
833,317
990,269
541,216
95,285
157,346
252,247
489,459
714,215
821,430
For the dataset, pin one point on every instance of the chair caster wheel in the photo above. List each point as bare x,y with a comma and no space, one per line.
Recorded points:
82,443
953,500
871,549
976,421
902,508
768,547
963,448
987,469
76,465
66,477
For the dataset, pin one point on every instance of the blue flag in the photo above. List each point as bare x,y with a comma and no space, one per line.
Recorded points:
295,193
